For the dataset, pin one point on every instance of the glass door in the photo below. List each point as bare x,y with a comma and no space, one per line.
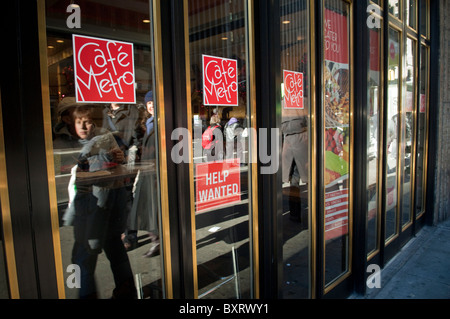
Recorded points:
422,133
404,149
392,135
374,141
295,158
104,119
337,142
220,109
408,132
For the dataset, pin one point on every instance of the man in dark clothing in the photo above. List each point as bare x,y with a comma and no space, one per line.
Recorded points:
124,121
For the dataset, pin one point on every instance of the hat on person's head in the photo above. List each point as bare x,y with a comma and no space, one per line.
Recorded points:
232,120
67,103
148,97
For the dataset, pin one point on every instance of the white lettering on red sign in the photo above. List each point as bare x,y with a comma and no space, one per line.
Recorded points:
220,81
293,89
104,70
218,183
335,37
336,214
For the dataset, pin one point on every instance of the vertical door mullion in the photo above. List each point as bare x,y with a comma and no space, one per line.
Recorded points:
170,80
417,110
267,29
24,138
361,123
319,119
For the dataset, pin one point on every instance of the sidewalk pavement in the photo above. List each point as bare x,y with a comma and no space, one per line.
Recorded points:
421,270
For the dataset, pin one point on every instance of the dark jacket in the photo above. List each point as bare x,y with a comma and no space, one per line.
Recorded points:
125,124
144,210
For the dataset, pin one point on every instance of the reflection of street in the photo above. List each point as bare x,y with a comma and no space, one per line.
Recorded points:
296,239
147,270
223,255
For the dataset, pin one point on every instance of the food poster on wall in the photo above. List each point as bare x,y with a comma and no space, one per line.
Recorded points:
337,120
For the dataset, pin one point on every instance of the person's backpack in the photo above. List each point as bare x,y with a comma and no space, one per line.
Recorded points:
208,136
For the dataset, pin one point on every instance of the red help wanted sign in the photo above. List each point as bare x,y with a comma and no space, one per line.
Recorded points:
104,70
293,89
220,81
218,183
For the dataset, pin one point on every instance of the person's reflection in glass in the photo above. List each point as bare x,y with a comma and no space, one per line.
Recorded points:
99,206
144,212
124,122
64,131
294,158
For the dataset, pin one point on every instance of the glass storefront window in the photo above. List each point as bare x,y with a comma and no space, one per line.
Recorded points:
392,135
424,17
407,127
378,2
105,148
422,129
219,85
295,116
394,8
337,138
411,13
373,137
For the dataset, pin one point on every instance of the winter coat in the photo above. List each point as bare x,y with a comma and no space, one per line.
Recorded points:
93,156
63,139
144,210
66,149
99,207
125,124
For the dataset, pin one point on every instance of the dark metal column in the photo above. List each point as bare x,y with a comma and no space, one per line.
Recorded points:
25,150
360,55
268,101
